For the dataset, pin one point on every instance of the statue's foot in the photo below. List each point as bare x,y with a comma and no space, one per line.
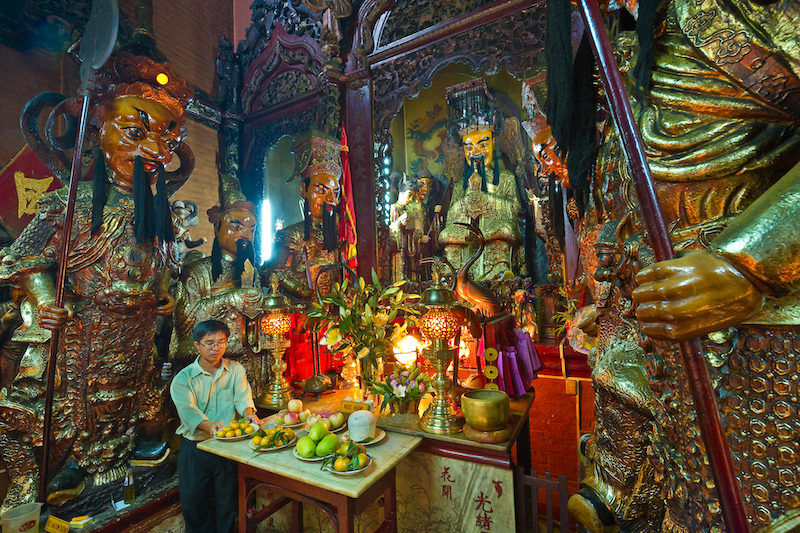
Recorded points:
149,453
592,513
67,484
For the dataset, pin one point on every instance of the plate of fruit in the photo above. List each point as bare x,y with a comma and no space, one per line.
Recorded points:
270,440
294,416
236,430
318,444
335,421
348,460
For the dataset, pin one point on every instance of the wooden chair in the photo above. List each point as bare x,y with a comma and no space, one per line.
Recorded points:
523,479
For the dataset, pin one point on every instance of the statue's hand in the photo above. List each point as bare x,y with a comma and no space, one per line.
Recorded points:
248,298
690,296
52,317
165,306
586,320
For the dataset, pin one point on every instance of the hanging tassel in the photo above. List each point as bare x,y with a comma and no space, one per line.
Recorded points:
582,145
558,58
645,26
99,191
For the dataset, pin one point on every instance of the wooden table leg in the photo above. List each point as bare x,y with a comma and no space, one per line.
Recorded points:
297,516
242,479
390,505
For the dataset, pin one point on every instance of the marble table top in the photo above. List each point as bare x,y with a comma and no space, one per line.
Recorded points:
385,454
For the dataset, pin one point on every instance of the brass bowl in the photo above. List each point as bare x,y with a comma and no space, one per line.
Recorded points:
486,410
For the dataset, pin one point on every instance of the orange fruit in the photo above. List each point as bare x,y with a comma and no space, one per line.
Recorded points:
238,432
257,440
249,429
221,433
341,464
230,434
363,460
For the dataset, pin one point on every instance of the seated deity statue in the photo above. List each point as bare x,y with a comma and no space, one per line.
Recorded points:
302,249
108,393
490,204
223,287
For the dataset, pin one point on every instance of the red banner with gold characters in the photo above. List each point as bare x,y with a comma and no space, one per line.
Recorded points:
22,182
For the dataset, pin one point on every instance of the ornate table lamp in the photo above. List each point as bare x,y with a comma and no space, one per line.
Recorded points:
275,323
439,325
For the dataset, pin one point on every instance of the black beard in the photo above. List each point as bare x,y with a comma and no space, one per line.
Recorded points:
330,233
244,251
151,216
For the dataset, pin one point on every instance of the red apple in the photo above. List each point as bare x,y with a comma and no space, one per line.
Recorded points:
295,406
291,419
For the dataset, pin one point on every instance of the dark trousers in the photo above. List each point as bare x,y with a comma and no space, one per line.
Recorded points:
202,475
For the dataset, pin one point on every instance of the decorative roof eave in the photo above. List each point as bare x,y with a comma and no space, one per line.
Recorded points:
282,48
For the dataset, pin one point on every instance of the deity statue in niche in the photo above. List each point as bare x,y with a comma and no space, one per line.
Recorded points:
302,249
487,196
715,141
223,287
107,393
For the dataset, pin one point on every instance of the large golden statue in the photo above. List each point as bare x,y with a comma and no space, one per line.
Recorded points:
303,248
491,204
108,393
719,124
225,287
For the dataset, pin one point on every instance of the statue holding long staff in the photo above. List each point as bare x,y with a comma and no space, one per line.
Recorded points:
106,391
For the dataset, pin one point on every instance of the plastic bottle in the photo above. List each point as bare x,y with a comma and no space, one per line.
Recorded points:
128,490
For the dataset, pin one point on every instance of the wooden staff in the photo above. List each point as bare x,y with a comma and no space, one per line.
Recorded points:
719,455
97,43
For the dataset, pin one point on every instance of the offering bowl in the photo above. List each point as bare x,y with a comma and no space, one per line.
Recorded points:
486,410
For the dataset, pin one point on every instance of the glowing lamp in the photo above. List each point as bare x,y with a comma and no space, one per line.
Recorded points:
275,324
439,324
406,351
162,78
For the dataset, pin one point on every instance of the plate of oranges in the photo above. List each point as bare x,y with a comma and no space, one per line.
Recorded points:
236,430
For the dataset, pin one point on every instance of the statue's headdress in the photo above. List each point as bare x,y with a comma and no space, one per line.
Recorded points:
471,107
316,153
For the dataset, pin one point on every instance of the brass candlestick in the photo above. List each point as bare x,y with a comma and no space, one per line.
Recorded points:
275,324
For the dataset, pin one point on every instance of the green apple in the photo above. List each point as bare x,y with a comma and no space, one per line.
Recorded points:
318,431
306,447
327,445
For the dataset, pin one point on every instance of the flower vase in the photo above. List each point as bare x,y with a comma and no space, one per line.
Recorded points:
369,373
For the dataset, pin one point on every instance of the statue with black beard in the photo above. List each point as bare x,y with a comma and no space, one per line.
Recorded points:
302,249
222,287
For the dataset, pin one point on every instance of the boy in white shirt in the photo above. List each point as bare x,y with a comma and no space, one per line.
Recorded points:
208,394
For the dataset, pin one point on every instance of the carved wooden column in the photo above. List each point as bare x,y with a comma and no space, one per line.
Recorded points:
358,121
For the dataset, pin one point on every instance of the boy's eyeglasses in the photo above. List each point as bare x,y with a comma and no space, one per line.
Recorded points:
212,345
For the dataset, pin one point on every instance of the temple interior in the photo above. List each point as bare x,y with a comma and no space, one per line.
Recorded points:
442,266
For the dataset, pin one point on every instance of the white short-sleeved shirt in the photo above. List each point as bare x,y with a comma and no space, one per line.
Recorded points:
199,396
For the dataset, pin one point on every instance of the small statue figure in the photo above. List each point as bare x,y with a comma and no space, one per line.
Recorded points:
303,248
108,394
407,229
493,207
223,287
184,216
228,70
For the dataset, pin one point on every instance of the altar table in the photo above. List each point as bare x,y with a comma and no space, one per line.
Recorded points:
339,497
